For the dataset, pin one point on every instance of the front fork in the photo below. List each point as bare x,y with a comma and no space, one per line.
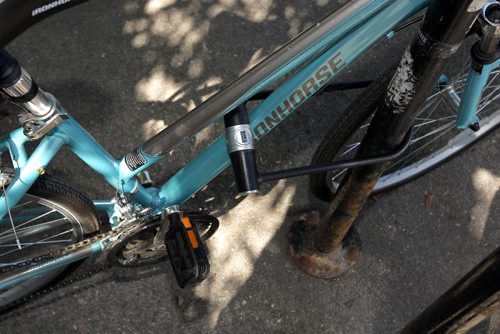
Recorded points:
467,114
467,106
484,58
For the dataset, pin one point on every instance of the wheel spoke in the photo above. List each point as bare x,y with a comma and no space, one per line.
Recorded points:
407,157
433,132
435,136
36,243
341,172
45,220
30,221
350,148
20,205
427,121
419,150
29,231
49,238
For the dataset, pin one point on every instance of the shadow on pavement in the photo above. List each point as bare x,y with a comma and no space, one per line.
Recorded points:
126,69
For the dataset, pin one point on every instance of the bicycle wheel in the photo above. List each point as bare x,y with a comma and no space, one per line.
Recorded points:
435,138
51,216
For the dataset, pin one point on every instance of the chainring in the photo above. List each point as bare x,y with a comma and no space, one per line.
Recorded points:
137,247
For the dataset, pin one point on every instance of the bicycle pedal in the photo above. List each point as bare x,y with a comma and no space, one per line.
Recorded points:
186,251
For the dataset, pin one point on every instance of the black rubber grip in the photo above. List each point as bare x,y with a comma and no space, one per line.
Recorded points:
10,70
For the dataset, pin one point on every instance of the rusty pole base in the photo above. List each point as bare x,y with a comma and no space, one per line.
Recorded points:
326,266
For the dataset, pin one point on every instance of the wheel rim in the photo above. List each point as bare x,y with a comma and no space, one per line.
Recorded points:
41,227
435,136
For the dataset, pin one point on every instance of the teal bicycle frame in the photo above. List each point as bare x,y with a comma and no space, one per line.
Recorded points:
368,21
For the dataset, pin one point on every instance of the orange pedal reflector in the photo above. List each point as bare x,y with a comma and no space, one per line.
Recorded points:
193,239
185,251
186,222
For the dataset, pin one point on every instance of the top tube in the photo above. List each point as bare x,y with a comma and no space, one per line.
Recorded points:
291,55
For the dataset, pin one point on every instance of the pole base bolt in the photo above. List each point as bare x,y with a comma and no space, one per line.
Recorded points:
325,266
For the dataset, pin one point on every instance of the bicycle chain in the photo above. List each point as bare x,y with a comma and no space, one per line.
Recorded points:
60,252
121,233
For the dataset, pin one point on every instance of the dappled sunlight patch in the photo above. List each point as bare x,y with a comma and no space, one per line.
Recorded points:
154,6
254,60
140,40
321,3
152,127
216,10
213,81
486,185
252,10
293,21
139,27
194,37
158,87
290,12
257,10
195,68
207,96
189,105
135,26
172,25
203,136
237,245
183,27
180,29
130,6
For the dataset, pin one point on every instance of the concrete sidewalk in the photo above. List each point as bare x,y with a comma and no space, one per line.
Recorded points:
125,69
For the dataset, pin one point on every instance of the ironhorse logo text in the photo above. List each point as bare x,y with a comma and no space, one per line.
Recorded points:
48,6
308,88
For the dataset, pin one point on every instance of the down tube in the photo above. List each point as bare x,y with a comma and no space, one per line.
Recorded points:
288,97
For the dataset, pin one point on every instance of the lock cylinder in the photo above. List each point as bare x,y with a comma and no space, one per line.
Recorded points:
241,150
